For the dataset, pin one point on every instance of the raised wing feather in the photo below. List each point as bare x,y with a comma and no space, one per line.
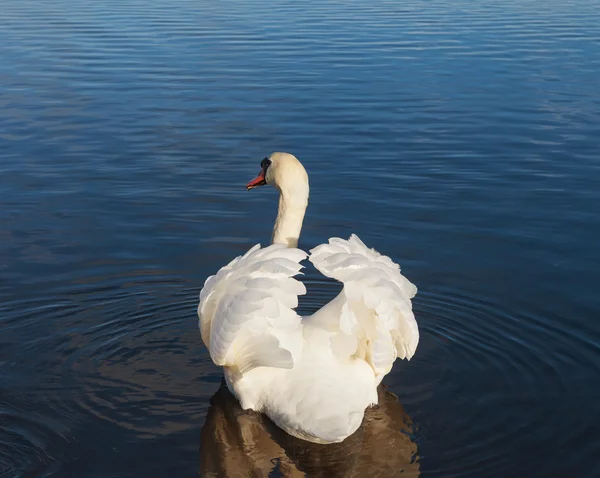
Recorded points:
246,310
376,322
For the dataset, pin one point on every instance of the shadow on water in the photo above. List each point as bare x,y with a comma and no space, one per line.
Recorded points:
237,443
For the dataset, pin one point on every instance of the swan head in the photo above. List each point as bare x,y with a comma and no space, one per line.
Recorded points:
284,172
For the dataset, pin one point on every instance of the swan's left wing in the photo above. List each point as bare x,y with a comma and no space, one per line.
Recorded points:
246,310
372,317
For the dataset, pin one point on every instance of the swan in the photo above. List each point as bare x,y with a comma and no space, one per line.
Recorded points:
313,376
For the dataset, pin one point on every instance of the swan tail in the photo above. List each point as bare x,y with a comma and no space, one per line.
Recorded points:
376,321
246,311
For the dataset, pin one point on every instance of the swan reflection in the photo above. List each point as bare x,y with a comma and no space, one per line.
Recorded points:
236,443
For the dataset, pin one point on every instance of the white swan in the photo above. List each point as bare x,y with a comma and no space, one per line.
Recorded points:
312,376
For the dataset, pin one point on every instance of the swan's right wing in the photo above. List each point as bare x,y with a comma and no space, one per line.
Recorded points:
372,317
246,310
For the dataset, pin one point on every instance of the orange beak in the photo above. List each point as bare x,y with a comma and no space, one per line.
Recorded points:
257,181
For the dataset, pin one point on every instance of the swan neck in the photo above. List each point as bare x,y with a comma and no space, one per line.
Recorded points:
289,219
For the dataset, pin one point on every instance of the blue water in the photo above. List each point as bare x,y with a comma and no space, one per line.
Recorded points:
459,138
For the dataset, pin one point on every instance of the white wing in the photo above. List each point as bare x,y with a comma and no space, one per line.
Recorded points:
246,310
373,313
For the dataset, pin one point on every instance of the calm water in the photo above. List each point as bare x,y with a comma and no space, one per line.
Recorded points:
461,138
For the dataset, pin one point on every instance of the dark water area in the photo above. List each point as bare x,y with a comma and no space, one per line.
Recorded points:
460,138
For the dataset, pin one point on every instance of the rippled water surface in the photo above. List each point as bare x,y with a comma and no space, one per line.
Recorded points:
460,138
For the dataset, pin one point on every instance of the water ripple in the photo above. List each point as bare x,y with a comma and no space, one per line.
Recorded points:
508,357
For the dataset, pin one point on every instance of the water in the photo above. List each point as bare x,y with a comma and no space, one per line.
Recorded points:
459,138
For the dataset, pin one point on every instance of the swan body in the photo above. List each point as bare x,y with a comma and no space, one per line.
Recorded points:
312,376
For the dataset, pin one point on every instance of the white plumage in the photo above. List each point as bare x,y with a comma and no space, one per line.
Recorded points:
376,315
247,310
313,376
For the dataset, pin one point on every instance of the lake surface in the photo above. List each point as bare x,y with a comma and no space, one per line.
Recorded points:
460,138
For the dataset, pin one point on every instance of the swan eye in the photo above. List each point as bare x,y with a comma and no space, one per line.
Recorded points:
265,163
